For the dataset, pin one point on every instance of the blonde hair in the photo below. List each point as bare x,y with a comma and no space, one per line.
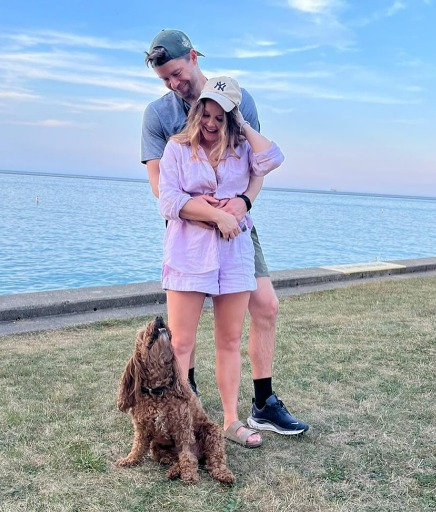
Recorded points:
229,132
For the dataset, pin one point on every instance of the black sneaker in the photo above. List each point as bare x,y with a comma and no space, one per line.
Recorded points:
194,388
274,416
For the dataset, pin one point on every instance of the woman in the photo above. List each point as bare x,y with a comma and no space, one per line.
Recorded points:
213,156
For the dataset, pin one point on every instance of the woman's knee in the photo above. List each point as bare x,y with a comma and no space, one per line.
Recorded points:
182,344
230,342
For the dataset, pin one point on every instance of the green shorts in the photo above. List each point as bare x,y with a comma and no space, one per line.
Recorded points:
260,266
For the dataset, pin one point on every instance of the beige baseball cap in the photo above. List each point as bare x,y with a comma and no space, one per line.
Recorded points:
224,90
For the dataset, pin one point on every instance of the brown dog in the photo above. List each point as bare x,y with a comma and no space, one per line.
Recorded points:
168,419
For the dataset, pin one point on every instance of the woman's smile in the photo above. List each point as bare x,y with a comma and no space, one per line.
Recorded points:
211,122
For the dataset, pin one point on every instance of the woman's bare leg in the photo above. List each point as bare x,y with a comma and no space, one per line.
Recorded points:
184,310
229,310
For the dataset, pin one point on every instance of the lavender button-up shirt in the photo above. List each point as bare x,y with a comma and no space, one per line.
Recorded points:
189,248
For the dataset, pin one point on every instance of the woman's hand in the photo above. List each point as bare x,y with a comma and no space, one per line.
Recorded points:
213,202
228,225
242,123
240,118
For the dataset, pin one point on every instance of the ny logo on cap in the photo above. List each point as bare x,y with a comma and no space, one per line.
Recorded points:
220,86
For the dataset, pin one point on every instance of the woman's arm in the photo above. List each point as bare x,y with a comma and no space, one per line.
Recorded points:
264,154
175,204
171,196
201,210
257,141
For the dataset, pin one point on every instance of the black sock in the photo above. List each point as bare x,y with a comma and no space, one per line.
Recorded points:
192,379
262,391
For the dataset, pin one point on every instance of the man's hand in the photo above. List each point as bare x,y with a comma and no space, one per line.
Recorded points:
235,206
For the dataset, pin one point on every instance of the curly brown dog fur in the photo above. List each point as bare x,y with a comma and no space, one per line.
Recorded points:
168,419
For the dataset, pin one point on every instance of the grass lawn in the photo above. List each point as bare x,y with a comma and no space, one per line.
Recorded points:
357,363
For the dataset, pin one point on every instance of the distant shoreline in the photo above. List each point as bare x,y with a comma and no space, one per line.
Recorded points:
276,189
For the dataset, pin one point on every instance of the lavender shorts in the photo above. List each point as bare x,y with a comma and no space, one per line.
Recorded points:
235,273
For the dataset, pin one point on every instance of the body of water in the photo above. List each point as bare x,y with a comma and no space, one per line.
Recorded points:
61,232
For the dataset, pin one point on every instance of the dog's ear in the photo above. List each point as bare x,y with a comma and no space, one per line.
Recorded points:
130,384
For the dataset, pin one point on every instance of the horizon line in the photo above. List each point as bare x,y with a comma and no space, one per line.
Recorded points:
332,191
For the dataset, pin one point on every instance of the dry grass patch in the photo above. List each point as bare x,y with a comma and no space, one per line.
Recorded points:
356,363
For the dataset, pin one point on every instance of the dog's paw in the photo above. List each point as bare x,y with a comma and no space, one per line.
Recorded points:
223,475
166,459
174,471
189,477
127,462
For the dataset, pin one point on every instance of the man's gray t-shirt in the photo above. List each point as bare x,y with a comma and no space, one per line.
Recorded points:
166,116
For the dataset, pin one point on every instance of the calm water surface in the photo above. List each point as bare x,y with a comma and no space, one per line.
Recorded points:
59,232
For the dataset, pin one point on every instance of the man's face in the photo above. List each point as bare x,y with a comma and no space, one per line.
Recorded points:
179,76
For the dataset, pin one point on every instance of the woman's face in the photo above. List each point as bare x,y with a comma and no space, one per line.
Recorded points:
211,123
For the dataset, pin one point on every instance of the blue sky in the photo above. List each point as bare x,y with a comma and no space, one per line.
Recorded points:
346,88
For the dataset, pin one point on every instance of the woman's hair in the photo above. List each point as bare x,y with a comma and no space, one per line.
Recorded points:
229,133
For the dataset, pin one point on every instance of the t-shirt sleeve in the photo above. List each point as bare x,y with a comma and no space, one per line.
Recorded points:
153,140
249,110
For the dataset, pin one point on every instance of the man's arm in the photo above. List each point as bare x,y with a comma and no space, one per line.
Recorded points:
254,187
236,205
153,175
153,142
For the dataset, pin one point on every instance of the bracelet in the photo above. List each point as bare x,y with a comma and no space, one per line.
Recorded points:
242,126
246,200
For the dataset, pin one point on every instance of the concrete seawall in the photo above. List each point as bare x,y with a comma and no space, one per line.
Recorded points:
95,303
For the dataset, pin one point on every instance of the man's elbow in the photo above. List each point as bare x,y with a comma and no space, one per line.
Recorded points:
155,190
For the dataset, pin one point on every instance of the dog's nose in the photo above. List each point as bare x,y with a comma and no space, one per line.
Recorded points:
159,322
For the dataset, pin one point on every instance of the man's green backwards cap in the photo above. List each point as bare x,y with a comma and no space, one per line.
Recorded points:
175,42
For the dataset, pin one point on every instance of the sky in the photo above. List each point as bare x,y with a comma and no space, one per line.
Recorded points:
346,88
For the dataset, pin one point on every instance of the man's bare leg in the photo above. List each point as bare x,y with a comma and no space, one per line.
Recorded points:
268,412
263,307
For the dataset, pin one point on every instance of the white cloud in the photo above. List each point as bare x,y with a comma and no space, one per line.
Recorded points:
109,105
266,43
376,16
52,38
76,69
250,54
51,123
314,6
19,96
394,8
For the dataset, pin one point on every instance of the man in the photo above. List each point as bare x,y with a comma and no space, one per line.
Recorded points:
175,62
